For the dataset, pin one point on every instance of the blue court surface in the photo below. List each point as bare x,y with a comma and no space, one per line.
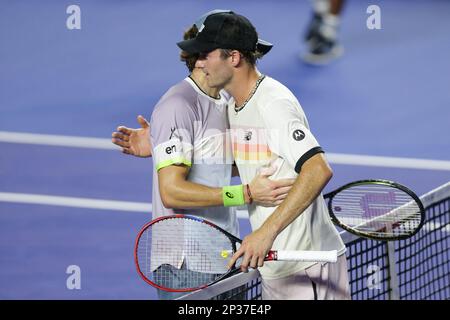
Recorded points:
381,111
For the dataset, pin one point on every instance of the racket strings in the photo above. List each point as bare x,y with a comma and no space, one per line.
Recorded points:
182,253
377,210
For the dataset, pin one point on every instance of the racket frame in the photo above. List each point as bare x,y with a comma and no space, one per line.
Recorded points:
329,196
231,237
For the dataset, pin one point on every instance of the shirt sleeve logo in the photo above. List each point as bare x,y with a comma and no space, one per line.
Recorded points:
172,131
170,150
175,134
298,135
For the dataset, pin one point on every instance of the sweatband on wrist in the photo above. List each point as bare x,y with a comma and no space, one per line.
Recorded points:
233,195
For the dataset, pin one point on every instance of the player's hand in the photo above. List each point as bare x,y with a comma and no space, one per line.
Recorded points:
254,249
269,193
134,141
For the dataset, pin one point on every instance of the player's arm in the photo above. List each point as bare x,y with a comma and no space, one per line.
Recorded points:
178,192
313,177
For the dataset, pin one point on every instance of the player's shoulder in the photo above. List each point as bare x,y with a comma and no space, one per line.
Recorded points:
274,92
179,99
274,89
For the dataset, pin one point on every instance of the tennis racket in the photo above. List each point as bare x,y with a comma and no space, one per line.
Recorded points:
376,209
182,253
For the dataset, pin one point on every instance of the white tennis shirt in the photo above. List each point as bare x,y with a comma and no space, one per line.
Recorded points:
272,129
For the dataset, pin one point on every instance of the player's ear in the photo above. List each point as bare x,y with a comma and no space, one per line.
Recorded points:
200,63
235,58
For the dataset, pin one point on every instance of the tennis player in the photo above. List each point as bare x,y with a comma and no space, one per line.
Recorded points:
193,163
268,126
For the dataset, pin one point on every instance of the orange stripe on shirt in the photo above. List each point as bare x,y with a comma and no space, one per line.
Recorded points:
248,151
251,156
250,147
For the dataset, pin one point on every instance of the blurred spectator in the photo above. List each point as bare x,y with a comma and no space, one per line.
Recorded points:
322,33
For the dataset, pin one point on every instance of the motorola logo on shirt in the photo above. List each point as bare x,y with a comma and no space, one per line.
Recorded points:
298,135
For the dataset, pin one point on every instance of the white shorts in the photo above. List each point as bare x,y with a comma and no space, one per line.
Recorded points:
318,282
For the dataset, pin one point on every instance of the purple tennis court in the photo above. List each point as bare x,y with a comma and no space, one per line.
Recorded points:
68,197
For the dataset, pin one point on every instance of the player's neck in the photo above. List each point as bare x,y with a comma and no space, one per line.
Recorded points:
243,85
200,79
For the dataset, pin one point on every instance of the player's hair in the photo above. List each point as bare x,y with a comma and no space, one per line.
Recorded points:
250,56
189,58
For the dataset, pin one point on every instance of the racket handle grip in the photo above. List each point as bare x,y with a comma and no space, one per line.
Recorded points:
305,256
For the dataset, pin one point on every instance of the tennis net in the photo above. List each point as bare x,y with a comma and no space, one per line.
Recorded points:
412,269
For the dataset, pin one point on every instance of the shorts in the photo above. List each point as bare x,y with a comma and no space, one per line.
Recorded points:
327,281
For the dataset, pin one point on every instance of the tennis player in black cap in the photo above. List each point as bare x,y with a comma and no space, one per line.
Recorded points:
270,129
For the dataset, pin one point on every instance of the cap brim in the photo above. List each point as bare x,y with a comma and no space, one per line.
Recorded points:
195,46
263,46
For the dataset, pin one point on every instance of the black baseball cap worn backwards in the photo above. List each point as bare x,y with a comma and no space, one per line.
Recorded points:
224,29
